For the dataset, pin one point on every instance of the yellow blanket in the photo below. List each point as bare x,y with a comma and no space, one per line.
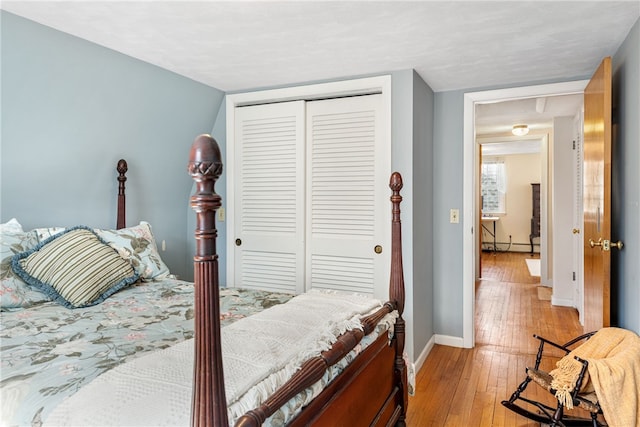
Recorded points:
614,373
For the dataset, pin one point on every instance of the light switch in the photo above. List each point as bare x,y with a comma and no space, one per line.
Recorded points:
221,214
454,216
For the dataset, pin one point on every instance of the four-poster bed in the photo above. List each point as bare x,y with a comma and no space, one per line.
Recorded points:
347,401
57,360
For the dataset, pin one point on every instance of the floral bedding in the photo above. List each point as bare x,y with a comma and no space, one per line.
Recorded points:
155,389
49,352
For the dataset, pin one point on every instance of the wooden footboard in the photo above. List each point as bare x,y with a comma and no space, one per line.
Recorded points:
313,370
363,394
372,390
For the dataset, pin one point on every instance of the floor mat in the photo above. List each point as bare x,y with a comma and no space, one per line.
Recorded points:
544,293
534,267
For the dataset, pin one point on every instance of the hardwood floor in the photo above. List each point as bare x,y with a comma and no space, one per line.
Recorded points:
464,387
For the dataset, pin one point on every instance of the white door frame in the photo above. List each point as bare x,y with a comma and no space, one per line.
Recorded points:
470,171
578,215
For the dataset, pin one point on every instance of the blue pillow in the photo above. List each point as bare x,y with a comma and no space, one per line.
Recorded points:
75,268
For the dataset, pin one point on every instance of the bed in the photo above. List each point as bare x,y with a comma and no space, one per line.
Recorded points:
55,359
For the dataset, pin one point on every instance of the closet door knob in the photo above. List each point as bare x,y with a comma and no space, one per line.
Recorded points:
377,249
238,242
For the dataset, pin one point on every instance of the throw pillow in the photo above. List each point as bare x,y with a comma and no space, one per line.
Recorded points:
75,268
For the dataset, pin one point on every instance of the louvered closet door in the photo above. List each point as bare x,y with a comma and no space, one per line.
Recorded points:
348,208
269,183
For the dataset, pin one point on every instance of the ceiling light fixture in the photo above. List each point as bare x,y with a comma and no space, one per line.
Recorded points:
520,130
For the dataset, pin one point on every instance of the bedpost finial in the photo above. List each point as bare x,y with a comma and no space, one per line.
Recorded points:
205,157
395,182
205,167
122,167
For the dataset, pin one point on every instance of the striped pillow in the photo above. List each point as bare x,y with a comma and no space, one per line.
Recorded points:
75,268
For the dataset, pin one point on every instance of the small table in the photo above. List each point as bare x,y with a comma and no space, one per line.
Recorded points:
492,219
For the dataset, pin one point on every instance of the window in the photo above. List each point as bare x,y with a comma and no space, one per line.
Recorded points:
494,187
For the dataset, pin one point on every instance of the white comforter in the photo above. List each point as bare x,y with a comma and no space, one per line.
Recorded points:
259,354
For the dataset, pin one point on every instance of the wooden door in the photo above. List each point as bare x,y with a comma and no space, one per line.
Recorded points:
478,224
597,198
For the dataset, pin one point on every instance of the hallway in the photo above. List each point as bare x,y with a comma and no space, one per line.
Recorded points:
464,387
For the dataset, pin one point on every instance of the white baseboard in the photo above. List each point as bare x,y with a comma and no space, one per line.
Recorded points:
450,341
562,302
436,339
423,355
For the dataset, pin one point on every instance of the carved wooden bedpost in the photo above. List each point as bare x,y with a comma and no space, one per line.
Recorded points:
209,404
396,289
122,168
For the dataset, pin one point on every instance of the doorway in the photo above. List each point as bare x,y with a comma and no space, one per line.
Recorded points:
510,177
471,207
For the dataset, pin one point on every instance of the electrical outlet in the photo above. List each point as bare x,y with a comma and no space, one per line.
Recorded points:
221,214
454,216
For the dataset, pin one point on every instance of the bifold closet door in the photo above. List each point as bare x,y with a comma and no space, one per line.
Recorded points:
270,196
348,213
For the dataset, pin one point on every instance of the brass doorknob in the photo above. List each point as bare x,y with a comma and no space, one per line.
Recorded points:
576,231
617,244
377,249
606,245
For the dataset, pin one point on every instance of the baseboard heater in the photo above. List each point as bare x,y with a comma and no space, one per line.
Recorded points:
490,243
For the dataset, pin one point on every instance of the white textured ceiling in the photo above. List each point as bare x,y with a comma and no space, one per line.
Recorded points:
239,45
236,45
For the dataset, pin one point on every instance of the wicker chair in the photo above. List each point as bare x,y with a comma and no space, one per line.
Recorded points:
546,414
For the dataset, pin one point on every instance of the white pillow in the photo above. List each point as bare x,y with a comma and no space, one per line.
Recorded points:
11,226
44,233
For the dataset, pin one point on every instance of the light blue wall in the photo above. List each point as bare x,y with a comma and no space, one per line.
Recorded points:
70,110
402,120
448,193
626,182
423,207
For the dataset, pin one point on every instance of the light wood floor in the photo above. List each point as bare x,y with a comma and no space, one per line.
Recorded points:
464,387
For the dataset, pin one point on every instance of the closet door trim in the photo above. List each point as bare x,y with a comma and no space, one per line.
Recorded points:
370,85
